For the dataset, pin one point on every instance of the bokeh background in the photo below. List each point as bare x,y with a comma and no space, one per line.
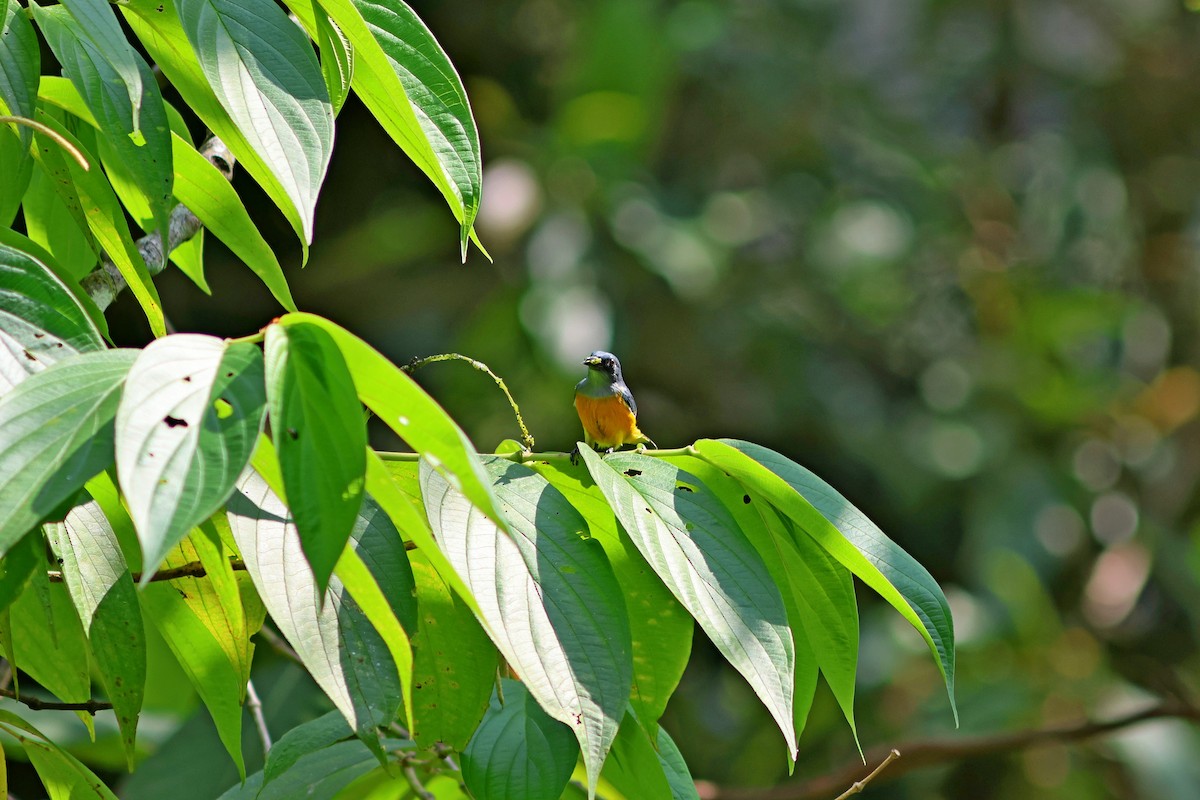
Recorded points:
942,253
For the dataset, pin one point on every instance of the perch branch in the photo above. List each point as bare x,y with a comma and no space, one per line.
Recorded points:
256,711
417,363
524,457
858,786
932,752
37,704
192,569
105,282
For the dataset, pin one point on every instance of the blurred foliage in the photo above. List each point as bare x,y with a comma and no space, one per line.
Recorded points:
943,253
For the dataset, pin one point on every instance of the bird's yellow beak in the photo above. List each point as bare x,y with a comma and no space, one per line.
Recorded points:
591,361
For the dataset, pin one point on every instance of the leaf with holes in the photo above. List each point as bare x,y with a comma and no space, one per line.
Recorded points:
549,598
186,427
58,433
692,542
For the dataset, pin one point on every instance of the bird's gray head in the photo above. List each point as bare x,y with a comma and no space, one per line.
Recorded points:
605,363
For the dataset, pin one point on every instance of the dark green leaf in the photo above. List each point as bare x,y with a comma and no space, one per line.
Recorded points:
692,542
48,638
303,740
58,428
186,426
97,21
16,567
20,65
320,436
518,752
104,596
549,598
337,57
319,774
263,70
847,535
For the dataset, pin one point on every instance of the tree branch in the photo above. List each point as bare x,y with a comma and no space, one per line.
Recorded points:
37,704
260,721
192,569
931,752
105,282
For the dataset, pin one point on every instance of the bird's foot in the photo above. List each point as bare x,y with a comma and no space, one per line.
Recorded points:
575,456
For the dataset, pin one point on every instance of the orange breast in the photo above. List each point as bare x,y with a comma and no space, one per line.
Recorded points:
607,421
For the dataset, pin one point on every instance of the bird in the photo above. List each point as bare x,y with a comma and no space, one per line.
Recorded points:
606,406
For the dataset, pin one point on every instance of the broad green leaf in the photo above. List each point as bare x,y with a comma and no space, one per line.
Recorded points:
415,417
20,66
26,245
393,50
454,663
56,222
41,320
16,567
104,596
157,25
336,642
209,638
13,189
818,591
438,99
58,427
692,542
847,535
133,127
320,774
97,21
203,189
302,740
263,71
105,217
549,598
679,778
633,767
337,57
518,752
320,437
64,776
48,638
661,628
186,427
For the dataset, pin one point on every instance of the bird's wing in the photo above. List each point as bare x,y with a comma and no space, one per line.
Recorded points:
627,396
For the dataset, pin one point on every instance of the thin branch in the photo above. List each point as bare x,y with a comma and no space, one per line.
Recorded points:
279,645
105,282
37,704
192,569
47,131
932,752
858,786
410,773
417,363
524,457
254,705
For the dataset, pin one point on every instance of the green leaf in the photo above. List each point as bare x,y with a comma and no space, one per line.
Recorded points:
679,778
64,776
318,430
661,628
847,535
186,427
335,641
16,567
692,542
210,639
41,319
157,25
302,740
102,591
454,663
337,57
393,53
97,21
48,638
20,66
58,428
439,100
134,128
633,767
56,222
204,190
550,600
320,774
105,217
263,71
518,752
415,417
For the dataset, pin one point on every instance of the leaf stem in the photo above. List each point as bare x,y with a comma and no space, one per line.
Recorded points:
49,132
417,363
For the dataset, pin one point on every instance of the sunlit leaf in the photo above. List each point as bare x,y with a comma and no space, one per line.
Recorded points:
692,542
64,776
58,428
186,427
20,65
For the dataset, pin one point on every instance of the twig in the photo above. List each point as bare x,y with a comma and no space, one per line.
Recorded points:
414,780
192,569
417,363
858,786
254,705
105,282
931,752
37,704
279,645
524,457
47,131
